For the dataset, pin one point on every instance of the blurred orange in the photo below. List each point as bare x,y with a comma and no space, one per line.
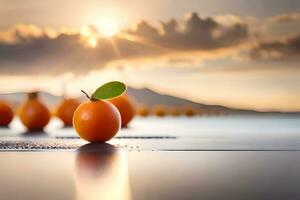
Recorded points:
6,113
175,111
160,111
143,111
126,107
33,113
66,109
190,112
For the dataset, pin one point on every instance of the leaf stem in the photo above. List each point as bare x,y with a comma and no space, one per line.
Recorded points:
85,94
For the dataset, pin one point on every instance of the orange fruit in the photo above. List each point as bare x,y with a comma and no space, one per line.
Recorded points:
143,111
126,108
160,111
200,112
175,112
66,110
189,112
34,114
96,121
6,113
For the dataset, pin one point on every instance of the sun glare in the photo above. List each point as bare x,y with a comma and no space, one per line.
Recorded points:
92,42
107,27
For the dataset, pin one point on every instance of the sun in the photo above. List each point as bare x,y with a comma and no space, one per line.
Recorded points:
92,42
107,27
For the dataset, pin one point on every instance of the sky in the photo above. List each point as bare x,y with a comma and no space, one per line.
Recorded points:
242,54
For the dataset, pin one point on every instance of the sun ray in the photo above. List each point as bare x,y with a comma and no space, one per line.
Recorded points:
115,48
140,40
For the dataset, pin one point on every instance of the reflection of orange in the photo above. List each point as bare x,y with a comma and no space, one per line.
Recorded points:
33,114
143,111
101,173
96,121
94,159
6,114
126,108
66,110
160,111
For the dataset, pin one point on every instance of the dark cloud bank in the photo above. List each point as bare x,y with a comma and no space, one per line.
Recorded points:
287,17
287,49
67,52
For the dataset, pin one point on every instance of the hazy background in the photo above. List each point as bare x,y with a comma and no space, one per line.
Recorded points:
238,53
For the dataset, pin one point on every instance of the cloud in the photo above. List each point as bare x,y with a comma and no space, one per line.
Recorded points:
197,34
43,54
29,49
286,17
286,49
20,33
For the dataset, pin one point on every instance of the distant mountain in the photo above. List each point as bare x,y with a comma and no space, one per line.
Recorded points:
143,96
150,98
18,97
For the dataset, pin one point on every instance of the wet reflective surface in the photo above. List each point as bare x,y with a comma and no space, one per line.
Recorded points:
115,174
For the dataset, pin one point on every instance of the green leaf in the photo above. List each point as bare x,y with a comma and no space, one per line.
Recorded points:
109,90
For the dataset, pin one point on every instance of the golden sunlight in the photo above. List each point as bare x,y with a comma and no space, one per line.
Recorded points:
107,27
92,42
90,37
